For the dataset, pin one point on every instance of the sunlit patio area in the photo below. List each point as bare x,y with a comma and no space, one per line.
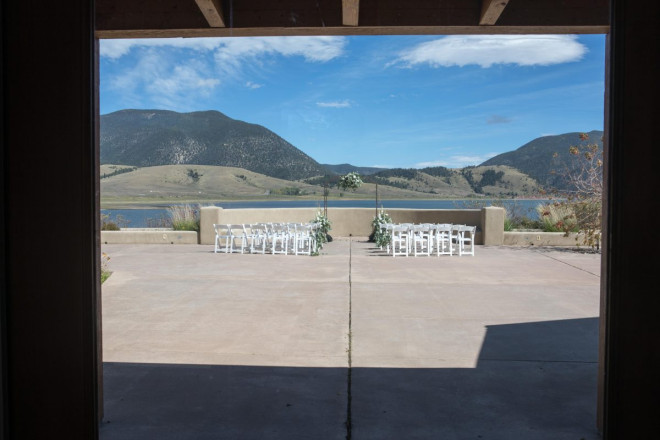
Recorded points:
352,343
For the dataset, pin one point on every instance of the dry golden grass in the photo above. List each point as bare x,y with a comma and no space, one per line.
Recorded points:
190,183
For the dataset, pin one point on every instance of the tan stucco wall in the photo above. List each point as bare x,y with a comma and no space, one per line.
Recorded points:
539,239
351,221
492,221
148,237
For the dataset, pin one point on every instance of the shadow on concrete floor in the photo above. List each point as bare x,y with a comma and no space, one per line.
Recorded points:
532,381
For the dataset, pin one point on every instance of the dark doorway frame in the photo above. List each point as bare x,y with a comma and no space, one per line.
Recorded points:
49,231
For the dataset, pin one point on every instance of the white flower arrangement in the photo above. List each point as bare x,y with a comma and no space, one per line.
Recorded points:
350,181
321,233
380,237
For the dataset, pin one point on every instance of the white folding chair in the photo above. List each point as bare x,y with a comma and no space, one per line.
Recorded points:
245,234
455,237
238,237
279,238
422,240
304,239
466,239
400,240
292,236
223,234
443,241
258,238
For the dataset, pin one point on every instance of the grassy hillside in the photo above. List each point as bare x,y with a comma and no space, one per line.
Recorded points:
205,182
497,181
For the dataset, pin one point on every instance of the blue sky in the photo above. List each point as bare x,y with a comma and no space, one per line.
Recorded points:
391,101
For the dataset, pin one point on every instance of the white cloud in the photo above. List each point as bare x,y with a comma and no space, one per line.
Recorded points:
335,104
114,49
180,78
318,49
199,63
457,161
487,50
164,82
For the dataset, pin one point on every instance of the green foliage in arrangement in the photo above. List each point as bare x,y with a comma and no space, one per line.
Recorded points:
321,234
378,235
350,181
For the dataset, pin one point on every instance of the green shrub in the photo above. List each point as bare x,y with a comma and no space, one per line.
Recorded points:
184,217
558,217
110,226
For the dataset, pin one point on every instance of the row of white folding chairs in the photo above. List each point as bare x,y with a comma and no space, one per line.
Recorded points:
274,238
429,238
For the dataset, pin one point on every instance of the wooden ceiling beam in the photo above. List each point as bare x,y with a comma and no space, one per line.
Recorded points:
349,30
212,10
350,12
491,11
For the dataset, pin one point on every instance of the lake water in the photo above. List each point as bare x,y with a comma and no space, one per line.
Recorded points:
148,217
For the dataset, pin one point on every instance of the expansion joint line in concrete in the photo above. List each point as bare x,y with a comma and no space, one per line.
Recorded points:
349,396
569,264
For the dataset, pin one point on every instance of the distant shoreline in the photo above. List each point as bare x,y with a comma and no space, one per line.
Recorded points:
130,203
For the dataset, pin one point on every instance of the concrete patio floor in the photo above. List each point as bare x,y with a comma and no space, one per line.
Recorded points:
350,344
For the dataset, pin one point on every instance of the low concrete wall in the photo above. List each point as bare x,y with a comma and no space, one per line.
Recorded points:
145,236
532,238
345,221
356,221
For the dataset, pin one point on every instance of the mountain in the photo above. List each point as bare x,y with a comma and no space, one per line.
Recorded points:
546,158
145,138
346,168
